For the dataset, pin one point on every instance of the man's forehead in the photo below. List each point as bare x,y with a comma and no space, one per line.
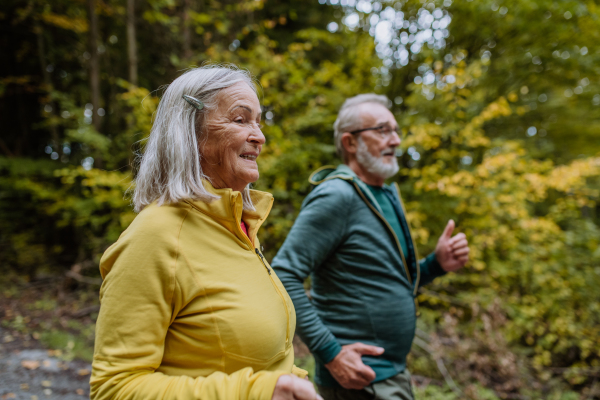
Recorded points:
375,112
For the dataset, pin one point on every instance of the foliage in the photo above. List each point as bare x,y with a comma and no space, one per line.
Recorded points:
498,101
48,212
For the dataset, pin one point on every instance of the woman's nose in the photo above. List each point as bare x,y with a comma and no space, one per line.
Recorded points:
257,136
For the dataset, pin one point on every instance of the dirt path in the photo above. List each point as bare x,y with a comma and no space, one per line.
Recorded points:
29,372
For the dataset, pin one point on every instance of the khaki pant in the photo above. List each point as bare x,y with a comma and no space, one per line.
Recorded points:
395,388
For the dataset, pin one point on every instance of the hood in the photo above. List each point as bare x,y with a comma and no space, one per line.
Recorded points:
344,172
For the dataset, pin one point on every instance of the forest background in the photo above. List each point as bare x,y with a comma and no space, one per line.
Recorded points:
499,101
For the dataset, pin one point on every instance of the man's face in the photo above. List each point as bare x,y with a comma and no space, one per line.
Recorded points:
377,148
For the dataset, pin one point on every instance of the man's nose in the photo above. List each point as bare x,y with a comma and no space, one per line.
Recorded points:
395,139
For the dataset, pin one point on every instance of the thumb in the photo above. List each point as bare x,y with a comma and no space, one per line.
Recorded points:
449,229
366,349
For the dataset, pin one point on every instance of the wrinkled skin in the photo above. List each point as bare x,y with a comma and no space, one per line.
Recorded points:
372,114
452,252
231,131
290,387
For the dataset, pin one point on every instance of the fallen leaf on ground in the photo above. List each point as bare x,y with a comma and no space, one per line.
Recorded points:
47,392
46,363
9,396
24,386
30,364
46,383
80,392
83,372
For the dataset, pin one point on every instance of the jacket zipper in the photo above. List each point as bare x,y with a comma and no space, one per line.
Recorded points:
412,241
416,286
417,313
390,229
262,258
287,312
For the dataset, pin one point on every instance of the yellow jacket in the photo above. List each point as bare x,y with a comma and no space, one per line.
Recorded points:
189,307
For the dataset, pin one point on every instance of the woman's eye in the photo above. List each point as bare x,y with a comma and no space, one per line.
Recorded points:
239,120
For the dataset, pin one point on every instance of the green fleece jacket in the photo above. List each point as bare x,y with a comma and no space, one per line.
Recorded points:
363,285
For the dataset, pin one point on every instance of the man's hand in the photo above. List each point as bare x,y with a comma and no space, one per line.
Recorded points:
290,387
452,252
348,369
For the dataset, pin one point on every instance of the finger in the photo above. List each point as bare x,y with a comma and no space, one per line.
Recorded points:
457,237
464,260
366,349
461,251
367,374
284,388
303,390
449,229
459,243
360,379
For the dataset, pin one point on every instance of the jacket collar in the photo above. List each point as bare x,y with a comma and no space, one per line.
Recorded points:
344,172
229,211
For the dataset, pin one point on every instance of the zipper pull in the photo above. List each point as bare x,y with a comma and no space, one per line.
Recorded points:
263,260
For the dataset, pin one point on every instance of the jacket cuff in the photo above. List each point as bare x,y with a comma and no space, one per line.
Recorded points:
264,387
434,268
299,372
328,352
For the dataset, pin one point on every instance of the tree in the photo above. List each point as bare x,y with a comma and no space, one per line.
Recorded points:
498,102
94,65
131,43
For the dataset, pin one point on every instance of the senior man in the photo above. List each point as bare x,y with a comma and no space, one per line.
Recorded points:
353,239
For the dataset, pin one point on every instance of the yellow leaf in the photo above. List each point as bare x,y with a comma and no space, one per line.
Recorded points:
30,364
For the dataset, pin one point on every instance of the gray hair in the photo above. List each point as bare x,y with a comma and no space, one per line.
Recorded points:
349,118
170,170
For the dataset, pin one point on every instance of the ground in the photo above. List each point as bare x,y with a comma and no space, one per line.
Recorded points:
46,338
30,372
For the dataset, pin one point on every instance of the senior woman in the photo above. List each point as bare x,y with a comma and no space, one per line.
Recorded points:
190,308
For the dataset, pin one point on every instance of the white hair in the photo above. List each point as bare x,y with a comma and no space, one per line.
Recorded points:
375,165
349,118
170,169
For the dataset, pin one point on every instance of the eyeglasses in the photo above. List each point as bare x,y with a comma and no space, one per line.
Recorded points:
382,130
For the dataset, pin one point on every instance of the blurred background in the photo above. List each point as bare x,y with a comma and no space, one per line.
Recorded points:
500,100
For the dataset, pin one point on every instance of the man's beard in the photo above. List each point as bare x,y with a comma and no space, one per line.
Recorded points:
375,165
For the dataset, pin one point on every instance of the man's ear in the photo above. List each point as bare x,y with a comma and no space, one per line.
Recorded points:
349,143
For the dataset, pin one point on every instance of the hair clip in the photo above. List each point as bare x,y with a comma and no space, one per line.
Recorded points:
193,102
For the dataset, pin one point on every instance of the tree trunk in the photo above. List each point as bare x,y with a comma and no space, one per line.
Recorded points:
187,37
94,63
49,87
131,43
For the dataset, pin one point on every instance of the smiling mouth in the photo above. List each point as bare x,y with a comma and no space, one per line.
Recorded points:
248,157
388,153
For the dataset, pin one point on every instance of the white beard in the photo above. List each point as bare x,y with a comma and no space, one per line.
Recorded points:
375,165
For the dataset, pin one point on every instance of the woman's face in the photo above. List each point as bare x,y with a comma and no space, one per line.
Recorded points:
233,139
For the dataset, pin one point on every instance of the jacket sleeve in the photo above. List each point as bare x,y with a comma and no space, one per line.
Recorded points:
430,269
139,301
317,232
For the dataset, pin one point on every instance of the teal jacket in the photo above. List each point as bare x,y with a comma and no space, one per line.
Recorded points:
363,287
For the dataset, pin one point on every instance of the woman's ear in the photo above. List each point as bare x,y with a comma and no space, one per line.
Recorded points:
349,143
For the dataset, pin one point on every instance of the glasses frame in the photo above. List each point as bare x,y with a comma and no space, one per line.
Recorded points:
379,129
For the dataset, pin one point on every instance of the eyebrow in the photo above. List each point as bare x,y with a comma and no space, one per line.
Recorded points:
380,123
244,107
